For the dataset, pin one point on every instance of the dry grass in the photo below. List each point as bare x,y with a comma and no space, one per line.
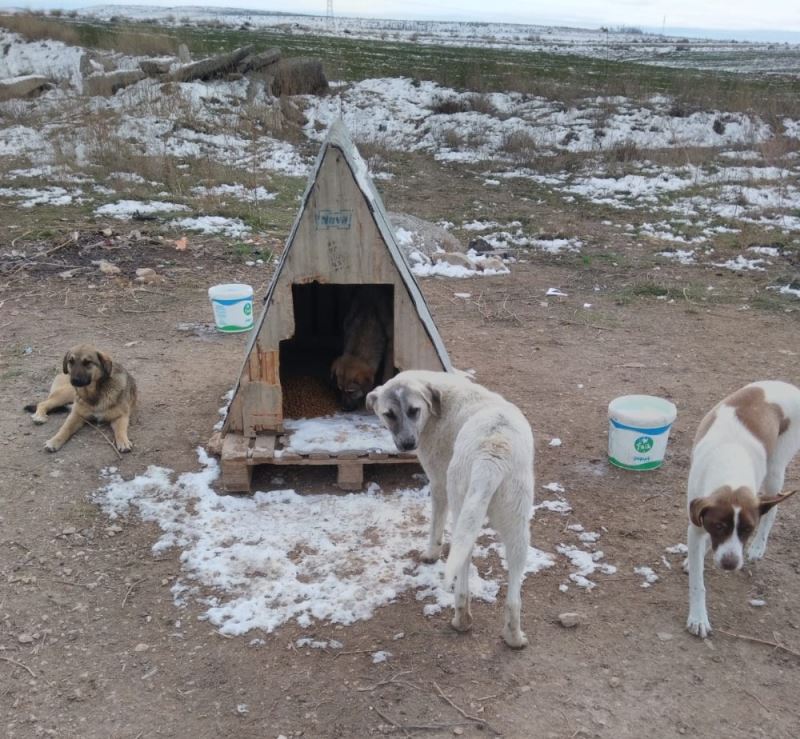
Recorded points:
34,27
520,146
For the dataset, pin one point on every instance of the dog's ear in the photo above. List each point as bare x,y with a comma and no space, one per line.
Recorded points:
372,399
105,363
696,510
65,363
765,503
434,398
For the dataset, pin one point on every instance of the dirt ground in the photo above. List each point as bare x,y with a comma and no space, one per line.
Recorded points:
86,595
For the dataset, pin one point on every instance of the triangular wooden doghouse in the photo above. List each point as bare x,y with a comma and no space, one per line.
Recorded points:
341,238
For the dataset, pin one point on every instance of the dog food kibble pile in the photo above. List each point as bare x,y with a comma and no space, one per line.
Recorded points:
307,397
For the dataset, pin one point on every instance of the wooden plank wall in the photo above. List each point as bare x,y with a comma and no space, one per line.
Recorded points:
336,242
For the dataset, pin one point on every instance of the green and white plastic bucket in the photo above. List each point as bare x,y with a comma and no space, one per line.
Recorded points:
233,307
638,431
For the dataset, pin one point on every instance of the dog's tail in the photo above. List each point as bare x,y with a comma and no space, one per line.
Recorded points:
485,478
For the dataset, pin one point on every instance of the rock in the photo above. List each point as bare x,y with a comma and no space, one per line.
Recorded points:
107,84
27,86
215,66
664,636
300,76
494,263
107,232
25,639
148,276
454,258
141,647
69,531
155,67
107,268
480,245
569,620
423,236
614,682
184,57
259,61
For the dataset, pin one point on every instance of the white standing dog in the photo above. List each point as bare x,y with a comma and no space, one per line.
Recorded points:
477,450
741,450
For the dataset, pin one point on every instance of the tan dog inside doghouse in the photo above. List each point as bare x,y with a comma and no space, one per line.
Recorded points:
98,390
367,334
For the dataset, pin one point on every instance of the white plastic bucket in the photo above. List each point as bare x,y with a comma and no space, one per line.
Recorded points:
638,430
233,307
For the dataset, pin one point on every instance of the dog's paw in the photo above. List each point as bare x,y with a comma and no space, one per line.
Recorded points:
124,446
685,565
756,550
430,556
698,625
38,420
52,445
461,621
515,640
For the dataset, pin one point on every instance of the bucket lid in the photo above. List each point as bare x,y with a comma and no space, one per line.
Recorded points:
230,290
642,410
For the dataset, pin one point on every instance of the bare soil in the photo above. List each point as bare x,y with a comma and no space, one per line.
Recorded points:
88,595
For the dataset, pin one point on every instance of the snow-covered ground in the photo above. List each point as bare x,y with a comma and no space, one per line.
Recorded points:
259,562
619,45
748,177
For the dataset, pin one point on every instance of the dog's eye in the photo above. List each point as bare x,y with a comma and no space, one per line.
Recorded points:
413,412
720,527
389,416
87,362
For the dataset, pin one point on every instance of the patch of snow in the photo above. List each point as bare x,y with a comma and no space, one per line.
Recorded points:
685,257
306,641
233,227
554,487
648,574
586,563
677,549
742,264
126,209
555,441
791,289
278,556
41,196
338,433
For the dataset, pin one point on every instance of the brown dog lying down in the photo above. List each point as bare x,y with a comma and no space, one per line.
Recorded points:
97,388
367,334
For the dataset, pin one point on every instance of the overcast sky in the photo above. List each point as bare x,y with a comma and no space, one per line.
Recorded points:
733,15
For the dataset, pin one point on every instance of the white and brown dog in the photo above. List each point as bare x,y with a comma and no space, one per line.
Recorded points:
741,451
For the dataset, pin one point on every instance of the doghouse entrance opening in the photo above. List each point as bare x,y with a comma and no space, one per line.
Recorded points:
305,359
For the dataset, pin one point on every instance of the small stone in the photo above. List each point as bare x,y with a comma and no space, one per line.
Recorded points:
614,682
664,636
107,268
141,647
69,531
399,635
458,731
25,639
569,620
107,232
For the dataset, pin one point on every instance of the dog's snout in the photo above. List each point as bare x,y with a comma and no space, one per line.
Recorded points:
729,562
406,445
79,381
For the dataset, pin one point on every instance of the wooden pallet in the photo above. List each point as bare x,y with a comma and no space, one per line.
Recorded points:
240,454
